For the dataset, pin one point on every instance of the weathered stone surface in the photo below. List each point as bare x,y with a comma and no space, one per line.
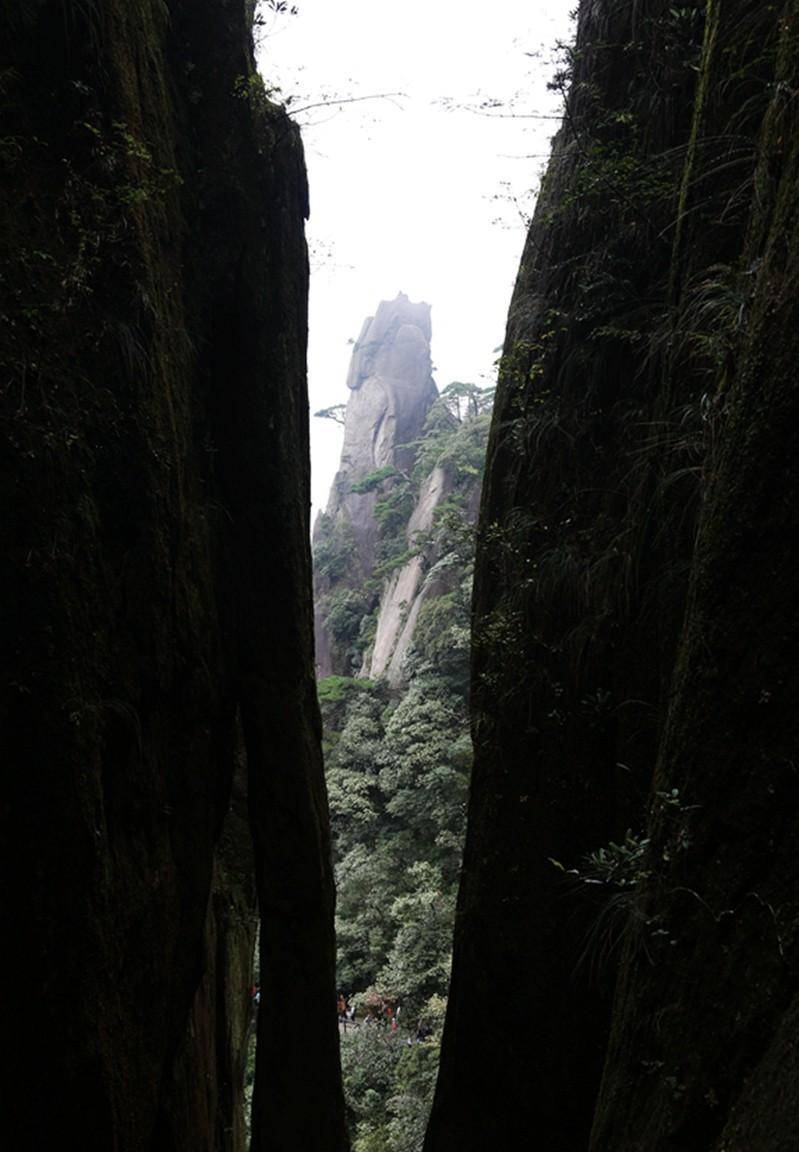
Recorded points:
404,594
391,390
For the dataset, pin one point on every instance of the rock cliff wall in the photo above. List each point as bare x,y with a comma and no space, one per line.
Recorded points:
724,878
630,514
154,484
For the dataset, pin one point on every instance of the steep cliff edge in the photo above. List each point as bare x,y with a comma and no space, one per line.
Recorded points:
154,450
643,325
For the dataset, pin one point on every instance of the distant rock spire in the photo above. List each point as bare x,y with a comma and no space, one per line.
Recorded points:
391,391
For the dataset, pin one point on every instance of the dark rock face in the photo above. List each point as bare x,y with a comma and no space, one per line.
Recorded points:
713,1010
201,1099
630,461
155,584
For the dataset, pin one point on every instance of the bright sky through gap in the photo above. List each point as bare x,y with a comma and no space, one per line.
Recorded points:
414,193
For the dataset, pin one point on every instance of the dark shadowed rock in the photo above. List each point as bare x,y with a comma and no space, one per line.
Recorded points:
155,583
702,1052
645,399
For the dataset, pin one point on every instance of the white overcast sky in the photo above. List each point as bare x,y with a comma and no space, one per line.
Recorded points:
413,193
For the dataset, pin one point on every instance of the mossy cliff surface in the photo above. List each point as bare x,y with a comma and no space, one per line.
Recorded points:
634,640
156,626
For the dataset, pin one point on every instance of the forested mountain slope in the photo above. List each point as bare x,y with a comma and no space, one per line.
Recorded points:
160,734
629,871
393,560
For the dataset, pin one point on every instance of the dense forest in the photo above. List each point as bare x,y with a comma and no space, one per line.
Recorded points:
558,732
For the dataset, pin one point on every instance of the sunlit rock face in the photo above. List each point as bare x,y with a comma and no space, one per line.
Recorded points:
160,736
